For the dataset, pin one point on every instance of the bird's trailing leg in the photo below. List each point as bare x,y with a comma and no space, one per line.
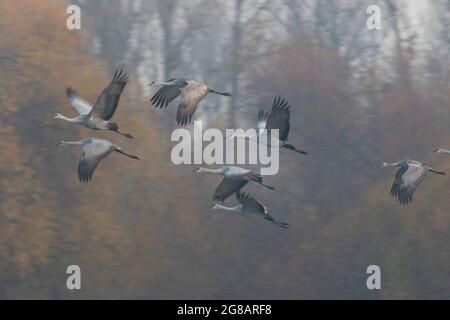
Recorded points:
114,127
127,135
268,186
293,148
277,222
223,93
437,172
258,179
126,154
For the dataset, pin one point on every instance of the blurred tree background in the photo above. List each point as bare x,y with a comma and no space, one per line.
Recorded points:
142,230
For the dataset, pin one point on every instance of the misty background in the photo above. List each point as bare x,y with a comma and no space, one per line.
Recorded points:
141,228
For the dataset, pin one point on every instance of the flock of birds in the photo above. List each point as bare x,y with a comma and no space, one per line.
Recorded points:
408,177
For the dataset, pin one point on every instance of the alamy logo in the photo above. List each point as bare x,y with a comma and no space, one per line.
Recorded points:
374,20
73,21
74,280
374,280
263,147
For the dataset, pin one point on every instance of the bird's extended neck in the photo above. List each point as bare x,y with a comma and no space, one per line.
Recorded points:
237,209
72,143
443,151
390,164
159,83
72,120
212,171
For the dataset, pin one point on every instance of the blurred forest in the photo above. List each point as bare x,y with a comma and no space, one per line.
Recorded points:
141,228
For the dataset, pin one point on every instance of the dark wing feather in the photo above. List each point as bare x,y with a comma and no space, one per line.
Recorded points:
262,115
193,93
86,169
92,154
398,190
107,102
262,119
82,106
186,110
164,96
279,117
227,187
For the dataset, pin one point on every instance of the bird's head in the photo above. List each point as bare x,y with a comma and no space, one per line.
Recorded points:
383,165
439,150
214,207
198,170
57,116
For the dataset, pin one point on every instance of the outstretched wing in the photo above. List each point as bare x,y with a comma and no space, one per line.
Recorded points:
279,117
407,179
396,190
164,96
92,154
78,103
193,93
107,102
249,203
227,187
262,119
